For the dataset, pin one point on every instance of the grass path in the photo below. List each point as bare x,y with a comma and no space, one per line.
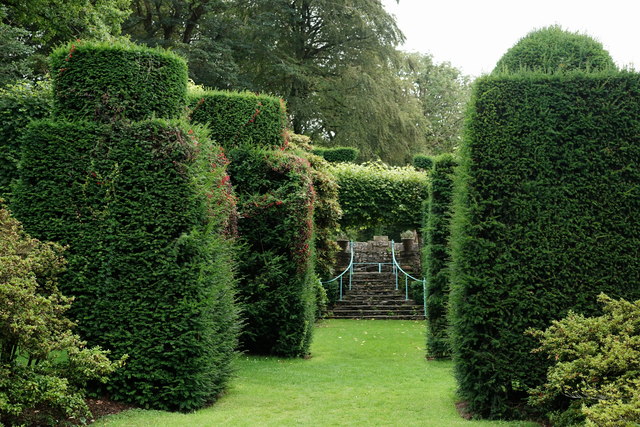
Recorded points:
362,373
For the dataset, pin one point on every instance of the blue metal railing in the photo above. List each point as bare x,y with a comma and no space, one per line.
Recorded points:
396,268
348,269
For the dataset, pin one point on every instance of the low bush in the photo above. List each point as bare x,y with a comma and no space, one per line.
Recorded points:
44,366
421,161
337,154
595,363
374,194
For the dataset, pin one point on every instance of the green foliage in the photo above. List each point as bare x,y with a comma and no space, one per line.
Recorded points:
36,385
142,207
19,104
595,360
553,49
326,210
277,293
337,154
109,81
375,194
14,52
421,161
443,92
437,255
546,206
236,119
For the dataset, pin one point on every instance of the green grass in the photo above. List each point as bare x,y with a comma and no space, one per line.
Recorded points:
362,373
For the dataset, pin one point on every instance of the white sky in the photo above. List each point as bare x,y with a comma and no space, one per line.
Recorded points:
473,34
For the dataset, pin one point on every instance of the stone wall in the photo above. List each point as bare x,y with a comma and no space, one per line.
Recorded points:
377,251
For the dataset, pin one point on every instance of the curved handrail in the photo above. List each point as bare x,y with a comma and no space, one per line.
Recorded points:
348,269
396,267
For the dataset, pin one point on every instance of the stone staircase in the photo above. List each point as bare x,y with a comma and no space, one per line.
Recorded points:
373,295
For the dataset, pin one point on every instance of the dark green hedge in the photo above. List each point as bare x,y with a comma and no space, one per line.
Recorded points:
376,194
553,49
240,118
142,208
437,255
275,204
337,154
421,161
19,104
546,218
108,81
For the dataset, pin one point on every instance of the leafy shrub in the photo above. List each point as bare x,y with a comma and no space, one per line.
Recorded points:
375,194
326,209
597,361
275,204
19,104
236,119
141,207
37,385
421,161
108,81
337,154
545,219
437,255
553,49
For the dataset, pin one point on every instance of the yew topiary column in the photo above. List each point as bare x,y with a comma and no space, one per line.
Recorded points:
142,200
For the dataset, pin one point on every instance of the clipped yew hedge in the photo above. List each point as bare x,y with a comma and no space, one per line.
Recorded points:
275,206
422,161
19,104
546,218
239,118
374,194
144,207
337,154
109,81
436,255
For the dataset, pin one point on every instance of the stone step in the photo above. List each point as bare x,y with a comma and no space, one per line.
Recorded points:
379,317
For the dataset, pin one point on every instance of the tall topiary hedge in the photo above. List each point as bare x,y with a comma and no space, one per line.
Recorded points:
235,119
375,194
143,206
546,219
437,255
113,81
275,204
19,104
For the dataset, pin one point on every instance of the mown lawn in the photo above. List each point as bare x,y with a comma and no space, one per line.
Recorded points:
361,373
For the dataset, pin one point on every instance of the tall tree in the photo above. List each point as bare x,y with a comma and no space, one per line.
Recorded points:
201,30
443,92
29,29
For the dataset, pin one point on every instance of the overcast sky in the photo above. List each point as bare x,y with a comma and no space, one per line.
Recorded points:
473,34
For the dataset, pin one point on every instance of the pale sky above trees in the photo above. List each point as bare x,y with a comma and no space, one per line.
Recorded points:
472,35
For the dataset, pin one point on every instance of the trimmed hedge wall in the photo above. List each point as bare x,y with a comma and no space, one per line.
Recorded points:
375,194
546,218
143,207
437,255
235,119
421,161
108,81
19,104
337,154
275,223
150,274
